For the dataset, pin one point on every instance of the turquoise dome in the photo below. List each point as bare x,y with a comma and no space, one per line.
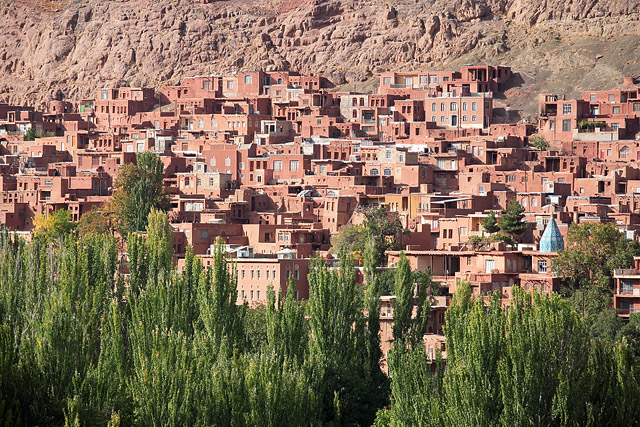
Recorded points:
551,240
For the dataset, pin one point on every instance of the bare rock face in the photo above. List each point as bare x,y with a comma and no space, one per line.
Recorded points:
68,49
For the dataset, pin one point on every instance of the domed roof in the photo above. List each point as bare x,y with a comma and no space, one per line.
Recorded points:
551,240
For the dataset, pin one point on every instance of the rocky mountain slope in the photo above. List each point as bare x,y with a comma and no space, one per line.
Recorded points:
66,49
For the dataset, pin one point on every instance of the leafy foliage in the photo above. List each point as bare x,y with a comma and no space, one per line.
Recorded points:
386,233
533,364
490,223
592,252
96,222
55,225
31,134
138,190
539,142
512,219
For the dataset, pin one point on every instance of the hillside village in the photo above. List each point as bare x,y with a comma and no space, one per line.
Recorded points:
276,163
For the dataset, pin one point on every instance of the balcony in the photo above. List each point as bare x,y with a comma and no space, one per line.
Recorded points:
629,292
626,273
627,311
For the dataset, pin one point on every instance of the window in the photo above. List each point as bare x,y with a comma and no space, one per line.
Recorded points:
387,172
592,98
434,106
442,106
616,109
200,124
534,202
230,86
375,171
566,108
464,106
293,165
248,79
442,118
386,81
626,287
462,231
204,234
211,182
523,202
474,118
615,126
464,118
280,237
277,165
253,276
566,126
474,106
542,266
636,107
227,161
387,154
611,99
624,152
267,274
242,273
435,119
552,124
453,106
258,277
104,94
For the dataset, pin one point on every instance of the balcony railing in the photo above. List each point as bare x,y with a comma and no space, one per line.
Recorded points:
628,311
622,272
634,292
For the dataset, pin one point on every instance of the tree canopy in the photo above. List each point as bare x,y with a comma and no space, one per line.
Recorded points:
592,253
139,189
54,225
533,364
386,233
490,223
512,219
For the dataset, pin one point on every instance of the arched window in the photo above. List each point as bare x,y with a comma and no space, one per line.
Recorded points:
375,171
523,202
453,106
279,80
354,102
624,152
362,102
387,172
474,106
